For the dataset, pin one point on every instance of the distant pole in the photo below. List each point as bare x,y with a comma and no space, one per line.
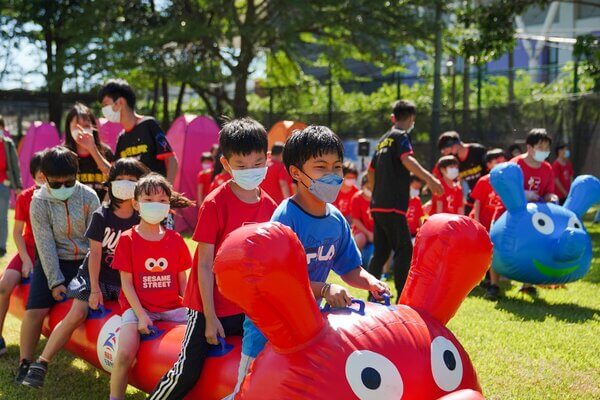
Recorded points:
437,83
398,84
270,106
576,76
479,82
330,95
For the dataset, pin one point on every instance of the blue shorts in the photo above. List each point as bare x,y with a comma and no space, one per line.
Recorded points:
253,341
40,296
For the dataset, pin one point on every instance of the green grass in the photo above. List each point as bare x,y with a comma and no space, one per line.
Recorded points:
548,348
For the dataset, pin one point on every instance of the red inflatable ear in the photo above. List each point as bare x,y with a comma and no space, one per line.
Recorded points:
262,268
451,255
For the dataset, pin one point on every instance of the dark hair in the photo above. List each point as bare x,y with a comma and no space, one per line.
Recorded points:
513,147
349,168
217,165
277,148
364,179
59,161
559,148
242,136
414,178
447,139
123,166
447,161
81,111
35,163
155,183
2,122
494,154
311,142
403,109
537,135
207,155
115,88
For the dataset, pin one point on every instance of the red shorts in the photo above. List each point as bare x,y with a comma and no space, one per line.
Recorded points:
16,263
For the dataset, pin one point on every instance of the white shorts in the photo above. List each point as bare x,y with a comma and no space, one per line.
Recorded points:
176,315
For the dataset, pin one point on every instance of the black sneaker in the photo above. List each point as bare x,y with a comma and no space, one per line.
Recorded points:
528,289
492,293
35,376
2,346
22,371
2,252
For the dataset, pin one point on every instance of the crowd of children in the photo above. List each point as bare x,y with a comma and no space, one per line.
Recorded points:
71,246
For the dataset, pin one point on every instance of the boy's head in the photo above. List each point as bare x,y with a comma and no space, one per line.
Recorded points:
59,166
515,150
365,184
415,185
115,96
538,144
243,143
35,168
449,143
448,166
350,173
494,157
404,114
562,151
313,153
277,151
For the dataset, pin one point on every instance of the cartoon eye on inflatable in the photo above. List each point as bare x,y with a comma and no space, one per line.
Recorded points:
372,376
446,364
574,223
542,223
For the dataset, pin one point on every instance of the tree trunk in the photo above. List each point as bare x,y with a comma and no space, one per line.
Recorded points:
165,93
466,122
54,78
180,100
240,103
511,77
154,98
437,85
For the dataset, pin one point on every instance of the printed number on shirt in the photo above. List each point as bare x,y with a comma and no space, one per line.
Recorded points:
534,183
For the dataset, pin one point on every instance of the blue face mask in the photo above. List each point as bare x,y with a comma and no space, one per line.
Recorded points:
326,188
567,154
62,193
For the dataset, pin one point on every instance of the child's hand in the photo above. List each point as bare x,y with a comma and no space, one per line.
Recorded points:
213,329
26,268
144,324
378,288
370,237
57,292
95,300
337,296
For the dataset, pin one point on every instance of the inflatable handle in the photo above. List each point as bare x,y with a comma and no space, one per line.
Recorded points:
98,313
361,307
64,297
220,349
386,299
26,281
154,333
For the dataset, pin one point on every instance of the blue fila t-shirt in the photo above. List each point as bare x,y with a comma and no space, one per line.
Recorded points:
327,240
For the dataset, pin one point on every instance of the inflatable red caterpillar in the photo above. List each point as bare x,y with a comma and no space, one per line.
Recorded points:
367,352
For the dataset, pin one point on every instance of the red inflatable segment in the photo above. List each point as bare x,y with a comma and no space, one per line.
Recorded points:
257,272
451,255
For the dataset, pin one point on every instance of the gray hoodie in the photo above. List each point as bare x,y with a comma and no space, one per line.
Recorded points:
59,228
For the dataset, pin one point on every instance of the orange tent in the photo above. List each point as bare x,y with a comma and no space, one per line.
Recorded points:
282,130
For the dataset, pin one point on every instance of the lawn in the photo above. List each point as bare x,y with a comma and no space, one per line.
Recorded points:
547,348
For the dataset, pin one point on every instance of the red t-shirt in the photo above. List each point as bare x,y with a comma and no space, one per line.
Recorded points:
360,210
203,179
452,199
220,179
491,204
221,213
155,267
344,201
276,173
539,180
414,214
564,174
22,213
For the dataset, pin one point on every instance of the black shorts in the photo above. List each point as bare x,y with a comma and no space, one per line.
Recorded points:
40,296
80,288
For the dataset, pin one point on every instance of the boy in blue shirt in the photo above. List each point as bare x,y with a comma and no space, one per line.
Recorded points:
314,157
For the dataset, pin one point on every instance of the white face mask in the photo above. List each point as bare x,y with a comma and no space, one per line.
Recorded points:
154,212
122,189
110,114
414,192
249,179
350,182
452,173
540,156
39,183
206,165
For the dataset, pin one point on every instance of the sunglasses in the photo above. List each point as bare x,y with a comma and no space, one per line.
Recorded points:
57,185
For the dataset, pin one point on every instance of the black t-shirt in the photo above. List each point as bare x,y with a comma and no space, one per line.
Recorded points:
106,228
391,189
90,175
147,143
473,167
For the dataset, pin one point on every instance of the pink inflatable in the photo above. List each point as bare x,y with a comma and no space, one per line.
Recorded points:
189,136
109,132
40,136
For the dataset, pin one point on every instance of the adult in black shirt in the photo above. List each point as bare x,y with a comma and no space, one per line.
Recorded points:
81,137
390,171
142,138
471,161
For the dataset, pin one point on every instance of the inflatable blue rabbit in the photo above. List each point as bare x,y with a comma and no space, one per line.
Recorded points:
541,243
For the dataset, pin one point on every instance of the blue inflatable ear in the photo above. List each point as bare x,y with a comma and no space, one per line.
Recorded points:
507,181
584,193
